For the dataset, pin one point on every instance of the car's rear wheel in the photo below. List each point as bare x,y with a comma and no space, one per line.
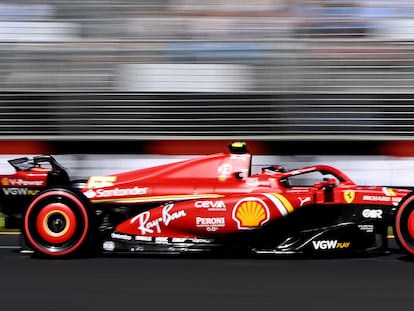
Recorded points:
404,225
58,223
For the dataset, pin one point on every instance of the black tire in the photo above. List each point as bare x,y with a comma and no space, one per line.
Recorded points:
404,225
58,223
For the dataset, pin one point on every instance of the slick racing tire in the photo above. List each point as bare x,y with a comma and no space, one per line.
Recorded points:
58,223
404,225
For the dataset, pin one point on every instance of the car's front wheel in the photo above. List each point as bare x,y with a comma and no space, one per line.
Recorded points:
57,223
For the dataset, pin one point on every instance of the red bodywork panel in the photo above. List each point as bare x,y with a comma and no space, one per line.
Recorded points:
216,195
36,178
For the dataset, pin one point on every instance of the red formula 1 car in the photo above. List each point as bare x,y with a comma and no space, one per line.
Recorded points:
205,205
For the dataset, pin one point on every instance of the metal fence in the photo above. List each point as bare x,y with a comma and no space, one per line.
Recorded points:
279,70
132,116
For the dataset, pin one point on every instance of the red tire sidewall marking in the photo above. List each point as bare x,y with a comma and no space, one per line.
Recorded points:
46,233
410,224
33,205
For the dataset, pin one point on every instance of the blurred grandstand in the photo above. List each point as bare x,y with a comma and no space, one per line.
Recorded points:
159,69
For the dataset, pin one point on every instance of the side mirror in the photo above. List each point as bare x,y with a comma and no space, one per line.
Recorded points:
326,183
331,182
319,185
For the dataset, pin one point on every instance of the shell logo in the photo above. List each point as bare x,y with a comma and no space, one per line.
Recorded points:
250,213
5,181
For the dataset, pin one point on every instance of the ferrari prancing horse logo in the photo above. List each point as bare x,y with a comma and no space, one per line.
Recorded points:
349,196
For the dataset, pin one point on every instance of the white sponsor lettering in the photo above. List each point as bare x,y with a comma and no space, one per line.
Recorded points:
146,226
381,198
329,244
121,236
21,182
20,191
324,244
372,213
211,205
210,221
90,194
366,228
121,192
212,229
376,198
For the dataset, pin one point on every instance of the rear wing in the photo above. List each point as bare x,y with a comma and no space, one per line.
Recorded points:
22,164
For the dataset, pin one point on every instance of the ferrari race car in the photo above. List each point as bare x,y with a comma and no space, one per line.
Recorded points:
210,204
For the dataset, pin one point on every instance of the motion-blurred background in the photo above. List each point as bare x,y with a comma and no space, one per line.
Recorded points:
299,76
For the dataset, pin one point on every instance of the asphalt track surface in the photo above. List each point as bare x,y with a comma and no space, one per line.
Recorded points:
154,283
